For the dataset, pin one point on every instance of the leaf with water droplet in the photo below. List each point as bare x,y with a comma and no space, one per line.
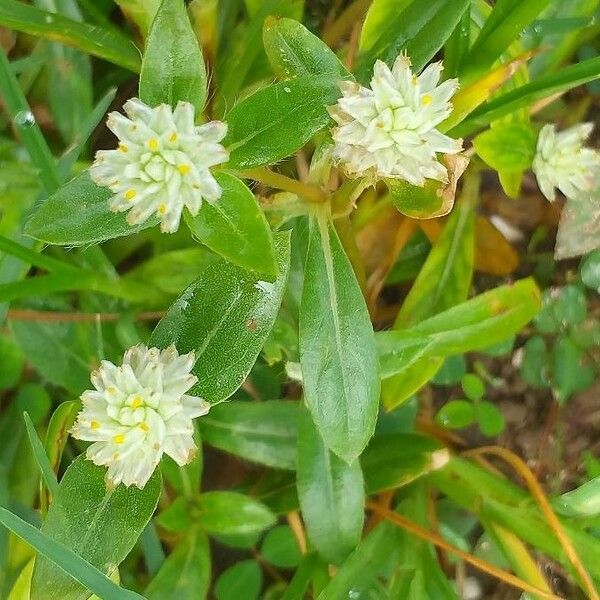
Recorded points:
225,317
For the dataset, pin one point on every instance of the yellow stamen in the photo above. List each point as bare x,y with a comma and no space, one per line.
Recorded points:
426,99
123,148
162,209
415,80
173,137
137,402
130,194
184,169
111,389
153,144
95,425
119,439
144,426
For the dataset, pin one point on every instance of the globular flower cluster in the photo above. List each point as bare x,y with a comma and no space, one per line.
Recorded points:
139,411
389,130
562,161
162,163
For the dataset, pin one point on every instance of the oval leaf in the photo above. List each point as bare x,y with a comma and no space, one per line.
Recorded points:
263,432
339,367
225,317
172,68
99,525
279,119
78,214
235,227
331,495
229,513
293,51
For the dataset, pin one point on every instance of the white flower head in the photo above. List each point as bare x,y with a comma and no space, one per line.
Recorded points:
561,161
138,412
162,162
390,129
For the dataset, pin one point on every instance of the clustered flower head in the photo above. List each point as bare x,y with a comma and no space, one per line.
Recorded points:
561,161
162,163
138,412
390,130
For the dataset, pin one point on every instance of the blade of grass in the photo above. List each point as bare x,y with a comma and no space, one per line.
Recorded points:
40,456
107,44
78,568
23,118
525,95
31,257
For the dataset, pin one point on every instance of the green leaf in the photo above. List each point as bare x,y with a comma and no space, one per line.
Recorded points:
40,457
502,27
230,513
57,433
395,460
278,120
570,373
561,307
173,68
262,432
331,495
508,148
420,29
433,199
473,386
339,366
456,414
480,322
360,570
77,214
542,87
280,547
583,501
490,418
535,366
225,317
243,580
67,560
294,51
185,574
99,525
235,227
107,44
590,271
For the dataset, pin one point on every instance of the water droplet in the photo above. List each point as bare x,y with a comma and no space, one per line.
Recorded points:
49,19
353,594
287,89
24,119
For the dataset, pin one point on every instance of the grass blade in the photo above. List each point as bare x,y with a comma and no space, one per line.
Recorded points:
92,39
40,456
66,559
23,118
